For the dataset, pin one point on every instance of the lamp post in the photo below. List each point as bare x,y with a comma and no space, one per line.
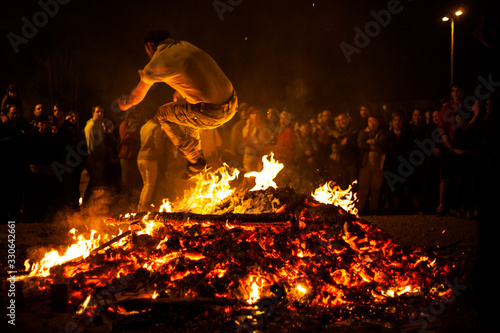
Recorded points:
445,19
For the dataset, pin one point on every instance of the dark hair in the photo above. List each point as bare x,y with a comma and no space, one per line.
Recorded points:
457,84
156,37
60,107
97,106
376,117
10,106
396,114
12,87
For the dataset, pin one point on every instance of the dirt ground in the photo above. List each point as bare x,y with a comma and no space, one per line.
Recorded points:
447,236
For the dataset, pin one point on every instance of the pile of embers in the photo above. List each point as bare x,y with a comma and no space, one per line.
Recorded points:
307,266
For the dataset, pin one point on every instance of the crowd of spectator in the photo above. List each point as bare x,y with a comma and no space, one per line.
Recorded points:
409,161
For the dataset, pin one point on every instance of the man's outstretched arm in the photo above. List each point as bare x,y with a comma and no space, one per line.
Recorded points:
135,97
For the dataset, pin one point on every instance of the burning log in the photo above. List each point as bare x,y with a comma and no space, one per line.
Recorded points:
233,220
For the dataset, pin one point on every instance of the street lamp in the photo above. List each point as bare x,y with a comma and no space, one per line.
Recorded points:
445,19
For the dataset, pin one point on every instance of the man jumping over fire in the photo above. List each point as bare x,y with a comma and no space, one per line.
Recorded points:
204,97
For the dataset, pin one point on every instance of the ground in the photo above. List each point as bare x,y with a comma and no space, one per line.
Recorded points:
447,236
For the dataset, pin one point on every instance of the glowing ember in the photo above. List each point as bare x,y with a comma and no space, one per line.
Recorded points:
302,291
265,178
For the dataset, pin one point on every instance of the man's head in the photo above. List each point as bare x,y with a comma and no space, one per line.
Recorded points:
305,128
97,113
364,111
272,114
417,117
243,110
153,39
326,117
285,119
397,121
435,117
59,111
344,121
373,123
336,120
13,112
38,111
12,90
457,93
255,114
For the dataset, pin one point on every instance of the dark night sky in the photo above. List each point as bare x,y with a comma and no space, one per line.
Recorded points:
277,53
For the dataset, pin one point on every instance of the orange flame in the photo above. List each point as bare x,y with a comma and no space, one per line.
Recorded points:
166,206
265,178
301,290
254,295
211,189
84,305
79,249
333,194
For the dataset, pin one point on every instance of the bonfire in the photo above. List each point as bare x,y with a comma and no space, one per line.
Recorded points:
240,258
